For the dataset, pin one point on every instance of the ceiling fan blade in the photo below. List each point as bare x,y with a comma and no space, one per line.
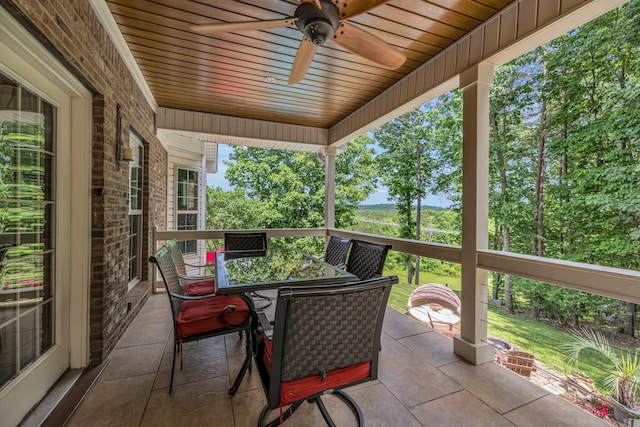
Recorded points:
303,61
351,8
243,26
366,45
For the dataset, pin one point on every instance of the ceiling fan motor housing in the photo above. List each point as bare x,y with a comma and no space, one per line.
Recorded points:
317,25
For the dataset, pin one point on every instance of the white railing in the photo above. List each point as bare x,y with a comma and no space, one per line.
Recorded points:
606,281
611,282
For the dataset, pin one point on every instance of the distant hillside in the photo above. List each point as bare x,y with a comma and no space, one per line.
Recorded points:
380,207
391,207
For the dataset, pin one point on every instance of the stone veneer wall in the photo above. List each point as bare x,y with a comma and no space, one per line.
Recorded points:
71,31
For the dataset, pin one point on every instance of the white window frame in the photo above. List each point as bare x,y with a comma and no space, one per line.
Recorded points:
137,148
195,211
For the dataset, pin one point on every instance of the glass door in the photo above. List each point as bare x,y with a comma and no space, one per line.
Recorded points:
27,228
45,199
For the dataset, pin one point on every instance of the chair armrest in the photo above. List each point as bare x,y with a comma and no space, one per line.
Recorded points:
265,324
194,278
192,297
209,264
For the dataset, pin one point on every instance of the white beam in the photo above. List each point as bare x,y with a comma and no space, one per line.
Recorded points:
330,188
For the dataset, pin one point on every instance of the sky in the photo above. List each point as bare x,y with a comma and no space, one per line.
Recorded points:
377,197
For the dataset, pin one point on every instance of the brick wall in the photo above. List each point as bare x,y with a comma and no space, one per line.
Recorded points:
72,32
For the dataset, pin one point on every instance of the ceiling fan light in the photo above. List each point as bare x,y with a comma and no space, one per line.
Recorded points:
317,24
318,31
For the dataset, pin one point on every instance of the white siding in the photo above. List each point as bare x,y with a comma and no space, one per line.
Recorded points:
192,158
247,132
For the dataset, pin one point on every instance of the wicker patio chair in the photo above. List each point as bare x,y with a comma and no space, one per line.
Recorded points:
319,344
366,260
336,251
238,241
193,284
202,316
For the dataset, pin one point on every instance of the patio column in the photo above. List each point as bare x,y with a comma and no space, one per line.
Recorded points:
471,343
330,187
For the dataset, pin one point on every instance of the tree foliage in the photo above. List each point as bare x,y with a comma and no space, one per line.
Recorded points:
583,115
290,186
285,189
420,152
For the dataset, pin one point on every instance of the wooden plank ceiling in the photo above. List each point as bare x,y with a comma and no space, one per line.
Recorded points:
228,72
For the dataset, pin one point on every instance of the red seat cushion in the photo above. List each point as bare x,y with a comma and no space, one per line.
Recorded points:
197,316
201,287
294,390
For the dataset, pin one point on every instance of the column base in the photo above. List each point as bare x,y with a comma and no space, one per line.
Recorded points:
473,353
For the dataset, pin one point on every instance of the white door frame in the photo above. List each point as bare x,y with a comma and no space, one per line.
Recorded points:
24,59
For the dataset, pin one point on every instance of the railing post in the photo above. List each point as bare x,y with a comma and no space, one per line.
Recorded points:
329,187
471,344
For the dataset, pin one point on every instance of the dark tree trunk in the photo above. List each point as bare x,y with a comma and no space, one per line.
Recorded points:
537,244
508,297
535,311
506,238
496,286
628,317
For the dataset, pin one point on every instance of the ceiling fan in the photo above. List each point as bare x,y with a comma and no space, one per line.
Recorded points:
319,21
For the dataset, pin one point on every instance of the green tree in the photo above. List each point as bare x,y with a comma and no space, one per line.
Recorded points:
594,123
229,210
288,185
511,161
291,186
583,121
403,139
421,151
356,179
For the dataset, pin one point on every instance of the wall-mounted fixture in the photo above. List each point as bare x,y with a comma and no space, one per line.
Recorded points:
123,154
127,154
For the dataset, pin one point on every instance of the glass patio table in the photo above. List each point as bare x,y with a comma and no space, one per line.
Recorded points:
237,272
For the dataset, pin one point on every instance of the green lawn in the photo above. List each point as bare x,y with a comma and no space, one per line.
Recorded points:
529,335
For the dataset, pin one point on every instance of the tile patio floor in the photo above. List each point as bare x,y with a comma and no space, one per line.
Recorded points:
421,383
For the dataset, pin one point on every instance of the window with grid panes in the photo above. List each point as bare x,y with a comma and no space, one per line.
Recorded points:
27,227
135,209
187,206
